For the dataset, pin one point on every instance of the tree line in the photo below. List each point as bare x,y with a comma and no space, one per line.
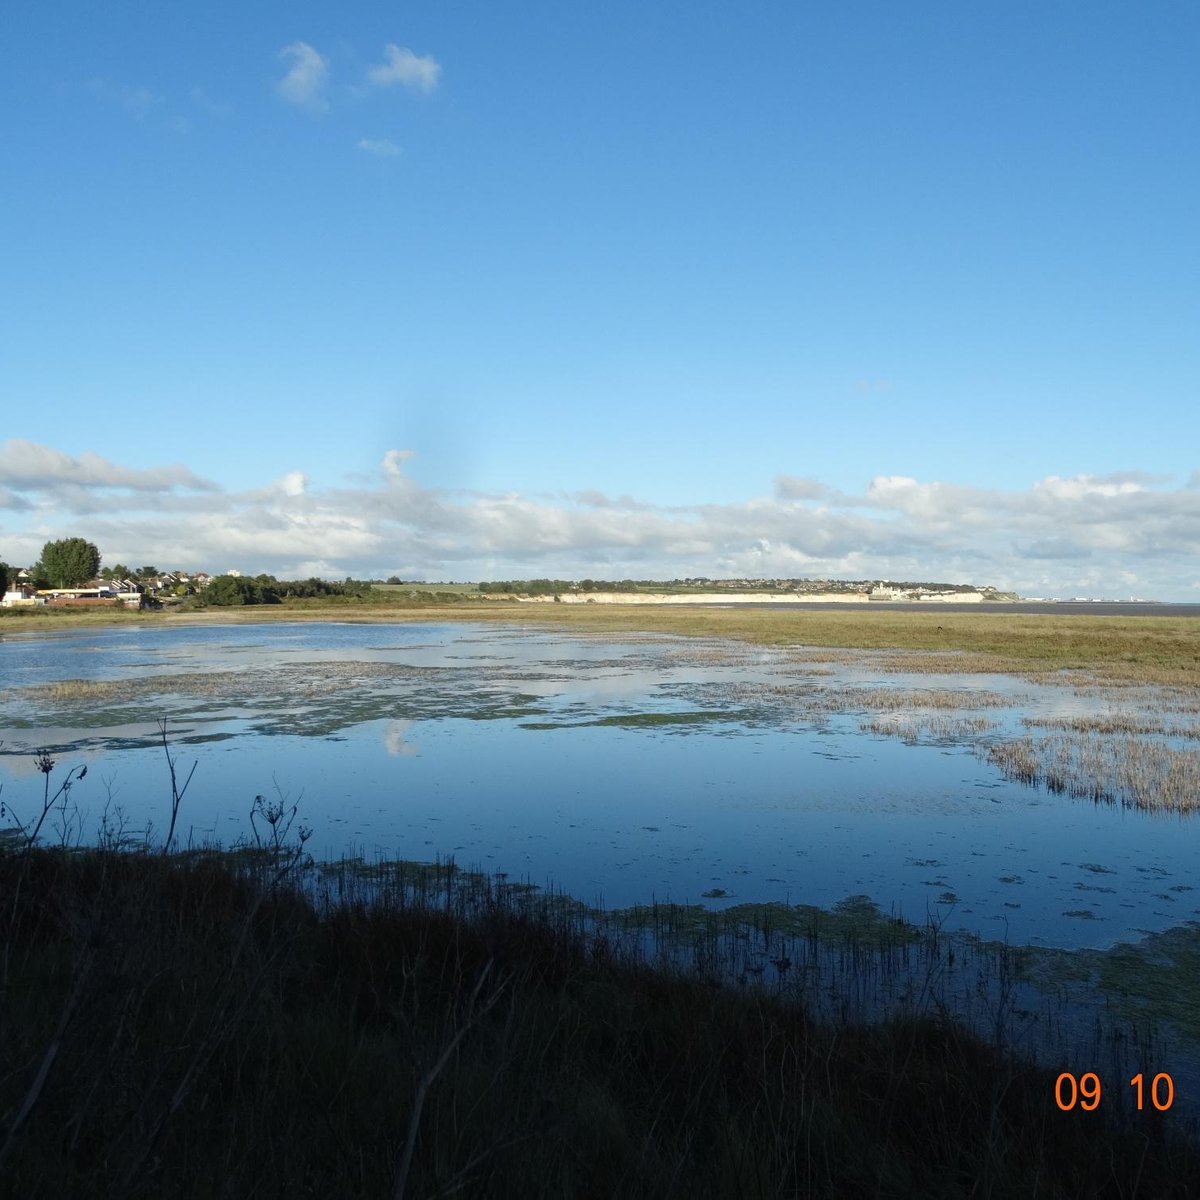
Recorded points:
227,590
75,562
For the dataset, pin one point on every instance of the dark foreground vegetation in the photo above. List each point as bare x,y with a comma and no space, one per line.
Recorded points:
192,1025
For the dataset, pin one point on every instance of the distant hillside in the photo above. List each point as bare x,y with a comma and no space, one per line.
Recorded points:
875,588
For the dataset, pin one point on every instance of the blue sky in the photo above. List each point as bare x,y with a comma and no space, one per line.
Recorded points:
609,276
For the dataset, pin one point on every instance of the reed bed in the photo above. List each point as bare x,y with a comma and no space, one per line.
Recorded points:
913,727
819,655
1114,768
849,699
206,683
956,662
818,699
1121,723
76,689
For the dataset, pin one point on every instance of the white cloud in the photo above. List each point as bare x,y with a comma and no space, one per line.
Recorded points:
1077,535
590,498
28,466
799,487
1056,548
12,500
380,147
393,463
1079,486
419,74
307,77
294,483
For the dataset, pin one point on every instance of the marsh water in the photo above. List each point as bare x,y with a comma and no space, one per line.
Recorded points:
618,770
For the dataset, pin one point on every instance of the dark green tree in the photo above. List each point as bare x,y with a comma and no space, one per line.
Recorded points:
4,570
266,590
69,562
230,589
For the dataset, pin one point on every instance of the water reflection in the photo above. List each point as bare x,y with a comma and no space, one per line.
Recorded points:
395,739
619,770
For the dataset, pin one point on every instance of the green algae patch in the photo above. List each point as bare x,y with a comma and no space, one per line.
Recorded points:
1157,978
240,855
645,720
678,920
854,921
655,719
405,872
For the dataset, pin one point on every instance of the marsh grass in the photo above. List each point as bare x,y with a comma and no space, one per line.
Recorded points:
1119,723
1160,650
913,727
1147,649
873,699
435,1032
817,700
1112,768
206,683
77,689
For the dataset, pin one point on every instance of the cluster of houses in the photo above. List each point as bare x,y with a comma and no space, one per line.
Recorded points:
888,591
874,589
133,593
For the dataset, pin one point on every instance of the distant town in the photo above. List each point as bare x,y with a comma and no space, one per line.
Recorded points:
69,574
150,587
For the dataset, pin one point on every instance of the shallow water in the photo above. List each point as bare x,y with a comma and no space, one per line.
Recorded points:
621,771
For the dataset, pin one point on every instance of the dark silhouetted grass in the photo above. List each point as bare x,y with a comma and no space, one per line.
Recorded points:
193,1026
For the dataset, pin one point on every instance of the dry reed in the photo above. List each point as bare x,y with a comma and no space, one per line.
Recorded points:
913,726
1113,768
1128,723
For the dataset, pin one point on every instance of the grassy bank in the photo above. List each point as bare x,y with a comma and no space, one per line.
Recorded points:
194,1026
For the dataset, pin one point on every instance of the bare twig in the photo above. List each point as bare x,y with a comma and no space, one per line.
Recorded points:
177,792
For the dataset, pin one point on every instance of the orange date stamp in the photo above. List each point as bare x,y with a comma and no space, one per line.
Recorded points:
1085,1091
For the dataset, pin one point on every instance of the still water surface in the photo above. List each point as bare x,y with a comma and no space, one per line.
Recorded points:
617,770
